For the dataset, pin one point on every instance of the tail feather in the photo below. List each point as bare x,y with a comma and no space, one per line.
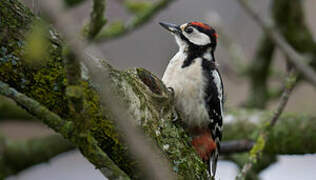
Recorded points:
213,162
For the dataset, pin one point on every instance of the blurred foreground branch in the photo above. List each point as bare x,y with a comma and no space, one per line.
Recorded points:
16,156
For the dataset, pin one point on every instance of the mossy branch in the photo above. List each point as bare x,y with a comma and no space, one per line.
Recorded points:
97,19
299,61
83,140
16,156
256,151
118,29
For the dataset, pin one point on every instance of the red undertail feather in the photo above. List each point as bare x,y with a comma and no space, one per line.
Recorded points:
204,145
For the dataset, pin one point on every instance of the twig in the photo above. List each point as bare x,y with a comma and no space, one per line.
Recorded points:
153,164
298,60
36,109
257,149
265,162
88,145
134,23
97,19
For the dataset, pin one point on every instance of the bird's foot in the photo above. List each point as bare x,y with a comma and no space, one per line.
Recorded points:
175,115
171,91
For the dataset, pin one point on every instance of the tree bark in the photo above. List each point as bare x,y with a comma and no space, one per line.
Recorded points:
16,156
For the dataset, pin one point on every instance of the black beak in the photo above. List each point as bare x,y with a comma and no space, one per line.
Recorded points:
171,27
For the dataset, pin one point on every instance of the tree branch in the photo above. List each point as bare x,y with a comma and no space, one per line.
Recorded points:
146,99
236,146
257,149
139,146
118,29
298,60
241,159
97,19
144,95
52,120
19,155
293,134
87,144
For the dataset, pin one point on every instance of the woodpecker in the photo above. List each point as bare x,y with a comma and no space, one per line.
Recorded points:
197,85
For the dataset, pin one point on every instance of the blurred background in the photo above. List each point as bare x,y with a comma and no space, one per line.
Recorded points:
151,47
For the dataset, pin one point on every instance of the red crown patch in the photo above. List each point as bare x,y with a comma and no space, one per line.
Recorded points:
202,25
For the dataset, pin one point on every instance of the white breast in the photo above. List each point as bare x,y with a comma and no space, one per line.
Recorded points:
188,84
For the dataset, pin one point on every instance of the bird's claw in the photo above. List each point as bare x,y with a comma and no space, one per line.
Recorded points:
171,90
175,116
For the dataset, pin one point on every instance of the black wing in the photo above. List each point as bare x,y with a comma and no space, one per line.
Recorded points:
214,92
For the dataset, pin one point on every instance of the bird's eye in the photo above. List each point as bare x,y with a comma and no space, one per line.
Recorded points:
188,30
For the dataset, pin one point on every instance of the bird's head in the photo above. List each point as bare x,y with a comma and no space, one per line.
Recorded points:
193,35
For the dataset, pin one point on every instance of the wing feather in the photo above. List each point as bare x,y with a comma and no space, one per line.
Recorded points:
214,92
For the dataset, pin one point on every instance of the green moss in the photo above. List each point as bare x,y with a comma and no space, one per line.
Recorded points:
113,29
258,147
46,84
19,155
137,7
9,110
13,69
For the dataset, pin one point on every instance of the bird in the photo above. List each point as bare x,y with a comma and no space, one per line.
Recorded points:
193,77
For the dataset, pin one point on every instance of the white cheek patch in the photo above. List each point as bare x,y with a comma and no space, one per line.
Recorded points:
197,37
